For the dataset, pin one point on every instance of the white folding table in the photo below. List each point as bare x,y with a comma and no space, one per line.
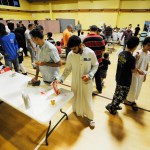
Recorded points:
11,88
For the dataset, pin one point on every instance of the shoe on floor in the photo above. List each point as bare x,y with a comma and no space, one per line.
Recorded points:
110,109
92,124
134,106
24,73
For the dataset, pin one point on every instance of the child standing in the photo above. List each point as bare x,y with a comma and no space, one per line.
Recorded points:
104,68
125,67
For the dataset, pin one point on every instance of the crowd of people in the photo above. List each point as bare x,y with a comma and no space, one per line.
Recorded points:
86,58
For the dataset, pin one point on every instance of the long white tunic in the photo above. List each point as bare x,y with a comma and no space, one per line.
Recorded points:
81,64
137,79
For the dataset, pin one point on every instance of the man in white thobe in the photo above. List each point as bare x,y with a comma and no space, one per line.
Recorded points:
142,62
83,64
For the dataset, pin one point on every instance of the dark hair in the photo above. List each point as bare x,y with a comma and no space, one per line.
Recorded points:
58,43
39,27
132,42
36,22
82,32
146,40
93,28
2,29
106,55
7,21
99,30
49,34
20,21
74,41
30,25
11,26
36,33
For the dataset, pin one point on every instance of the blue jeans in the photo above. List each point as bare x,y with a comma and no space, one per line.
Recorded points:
15,63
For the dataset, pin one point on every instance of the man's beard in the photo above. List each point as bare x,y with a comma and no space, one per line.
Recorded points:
80,51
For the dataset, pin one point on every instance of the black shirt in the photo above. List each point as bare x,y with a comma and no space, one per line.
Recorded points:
126,63
105,64
137,29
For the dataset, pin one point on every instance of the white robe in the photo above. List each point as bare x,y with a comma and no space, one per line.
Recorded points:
81,64
137,79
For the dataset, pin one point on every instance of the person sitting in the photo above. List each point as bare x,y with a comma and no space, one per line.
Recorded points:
58,47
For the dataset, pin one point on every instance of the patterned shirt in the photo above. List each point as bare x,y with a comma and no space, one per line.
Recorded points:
96,43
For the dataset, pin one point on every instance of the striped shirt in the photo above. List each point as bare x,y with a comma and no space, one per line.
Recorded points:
96,43
143,35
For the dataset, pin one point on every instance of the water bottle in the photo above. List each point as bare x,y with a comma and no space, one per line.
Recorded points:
26,100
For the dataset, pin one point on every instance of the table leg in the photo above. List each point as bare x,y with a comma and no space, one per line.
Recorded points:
47,133
64,114
50,131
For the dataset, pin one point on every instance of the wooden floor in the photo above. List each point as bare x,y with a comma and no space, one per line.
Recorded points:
127,130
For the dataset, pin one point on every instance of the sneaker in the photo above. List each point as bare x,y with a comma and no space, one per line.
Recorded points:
134,106
24,73
111,109
92,124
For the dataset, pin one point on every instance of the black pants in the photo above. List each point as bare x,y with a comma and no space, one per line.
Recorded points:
125,44
25,51
98,80
120,95
79,32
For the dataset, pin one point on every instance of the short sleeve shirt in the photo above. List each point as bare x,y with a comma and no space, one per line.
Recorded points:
48,53
126,63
